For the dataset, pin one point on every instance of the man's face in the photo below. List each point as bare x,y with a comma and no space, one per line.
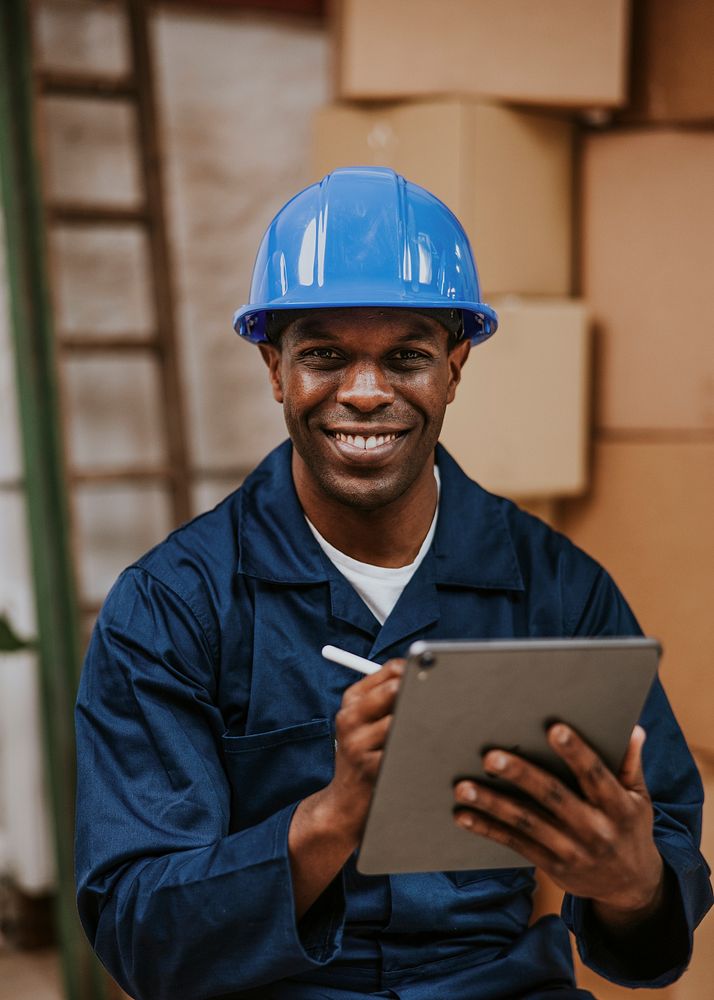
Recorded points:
364,393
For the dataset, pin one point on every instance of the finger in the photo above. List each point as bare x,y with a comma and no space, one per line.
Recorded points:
494,830
548,791
522,817
631,774
366,738
373,705
390,670
598,783
372,763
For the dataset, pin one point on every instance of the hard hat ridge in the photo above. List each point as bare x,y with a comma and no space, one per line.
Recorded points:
365,236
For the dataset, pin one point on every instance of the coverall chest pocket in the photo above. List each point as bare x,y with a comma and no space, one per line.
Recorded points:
268,771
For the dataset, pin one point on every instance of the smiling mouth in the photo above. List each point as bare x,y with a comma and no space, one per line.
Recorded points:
366,443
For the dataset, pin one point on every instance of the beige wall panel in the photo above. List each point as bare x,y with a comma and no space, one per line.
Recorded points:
101,281
10,460
25,820
17,599
551,52
647,260
26,851
507,176
114,415
115,525
672,78
91,151
81,36
237,97
519,421
649,521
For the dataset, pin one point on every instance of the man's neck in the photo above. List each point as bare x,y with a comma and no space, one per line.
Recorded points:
387,536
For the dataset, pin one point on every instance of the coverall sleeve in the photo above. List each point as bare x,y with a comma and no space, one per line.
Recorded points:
677,795
175,905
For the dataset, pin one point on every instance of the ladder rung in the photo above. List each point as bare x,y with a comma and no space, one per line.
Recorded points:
62,84
128,474
110,343
82,215
236,473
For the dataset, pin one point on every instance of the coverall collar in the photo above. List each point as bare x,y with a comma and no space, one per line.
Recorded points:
472,547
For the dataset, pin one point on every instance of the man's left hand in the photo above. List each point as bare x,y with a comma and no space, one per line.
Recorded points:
599,847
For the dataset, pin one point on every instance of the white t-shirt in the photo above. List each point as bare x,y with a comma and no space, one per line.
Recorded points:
380,587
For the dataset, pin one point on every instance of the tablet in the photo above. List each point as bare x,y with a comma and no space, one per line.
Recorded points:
458,699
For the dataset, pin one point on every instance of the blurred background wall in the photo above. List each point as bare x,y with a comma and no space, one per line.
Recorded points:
573,137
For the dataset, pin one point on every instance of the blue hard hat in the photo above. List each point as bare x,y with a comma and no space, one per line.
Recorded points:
365,236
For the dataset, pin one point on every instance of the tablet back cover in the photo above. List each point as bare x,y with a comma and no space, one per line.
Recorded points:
491,694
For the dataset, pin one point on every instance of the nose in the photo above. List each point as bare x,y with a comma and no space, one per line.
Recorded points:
365,388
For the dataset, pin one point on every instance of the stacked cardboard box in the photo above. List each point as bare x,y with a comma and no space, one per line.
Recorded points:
507,173
556,53
645,215
520,417
647,258
672,77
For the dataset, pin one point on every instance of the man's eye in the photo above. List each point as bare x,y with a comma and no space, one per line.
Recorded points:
408,355
325,353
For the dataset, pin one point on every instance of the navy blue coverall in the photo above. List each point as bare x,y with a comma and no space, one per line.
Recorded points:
206,712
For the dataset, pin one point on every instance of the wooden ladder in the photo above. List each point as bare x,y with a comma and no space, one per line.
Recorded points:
134,89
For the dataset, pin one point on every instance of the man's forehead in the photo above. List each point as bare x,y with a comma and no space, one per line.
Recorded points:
330,322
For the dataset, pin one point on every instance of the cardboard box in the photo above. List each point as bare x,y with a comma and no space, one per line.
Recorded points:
647,258
672,74
506,174
649,521
563,53
518,424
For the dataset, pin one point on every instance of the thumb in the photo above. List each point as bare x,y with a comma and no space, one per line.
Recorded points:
631,773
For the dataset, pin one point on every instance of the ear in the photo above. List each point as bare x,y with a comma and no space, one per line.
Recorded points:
272,357
457,359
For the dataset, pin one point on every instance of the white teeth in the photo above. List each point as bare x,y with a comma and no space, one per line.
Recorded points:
373,441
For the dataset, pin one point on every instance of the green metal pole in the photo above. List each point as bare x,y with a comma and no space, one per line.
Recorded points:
57,614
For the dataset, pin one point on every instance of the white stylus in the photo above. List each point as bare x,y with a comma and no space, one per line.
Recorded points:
346,659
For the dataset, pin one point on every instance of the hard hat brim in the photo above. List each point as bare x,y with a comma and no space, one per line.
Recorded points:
480,320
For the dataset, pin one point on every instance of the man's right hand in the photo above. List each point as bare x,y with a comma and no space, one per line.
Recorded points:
361,726
327,826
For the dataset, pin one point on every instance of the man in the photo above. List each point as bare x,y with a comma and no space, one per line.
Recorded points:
225,768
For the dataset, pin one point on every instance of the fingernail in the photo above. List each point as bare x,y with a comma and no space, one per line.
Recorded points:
468,792
562,735
465,820
497,761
